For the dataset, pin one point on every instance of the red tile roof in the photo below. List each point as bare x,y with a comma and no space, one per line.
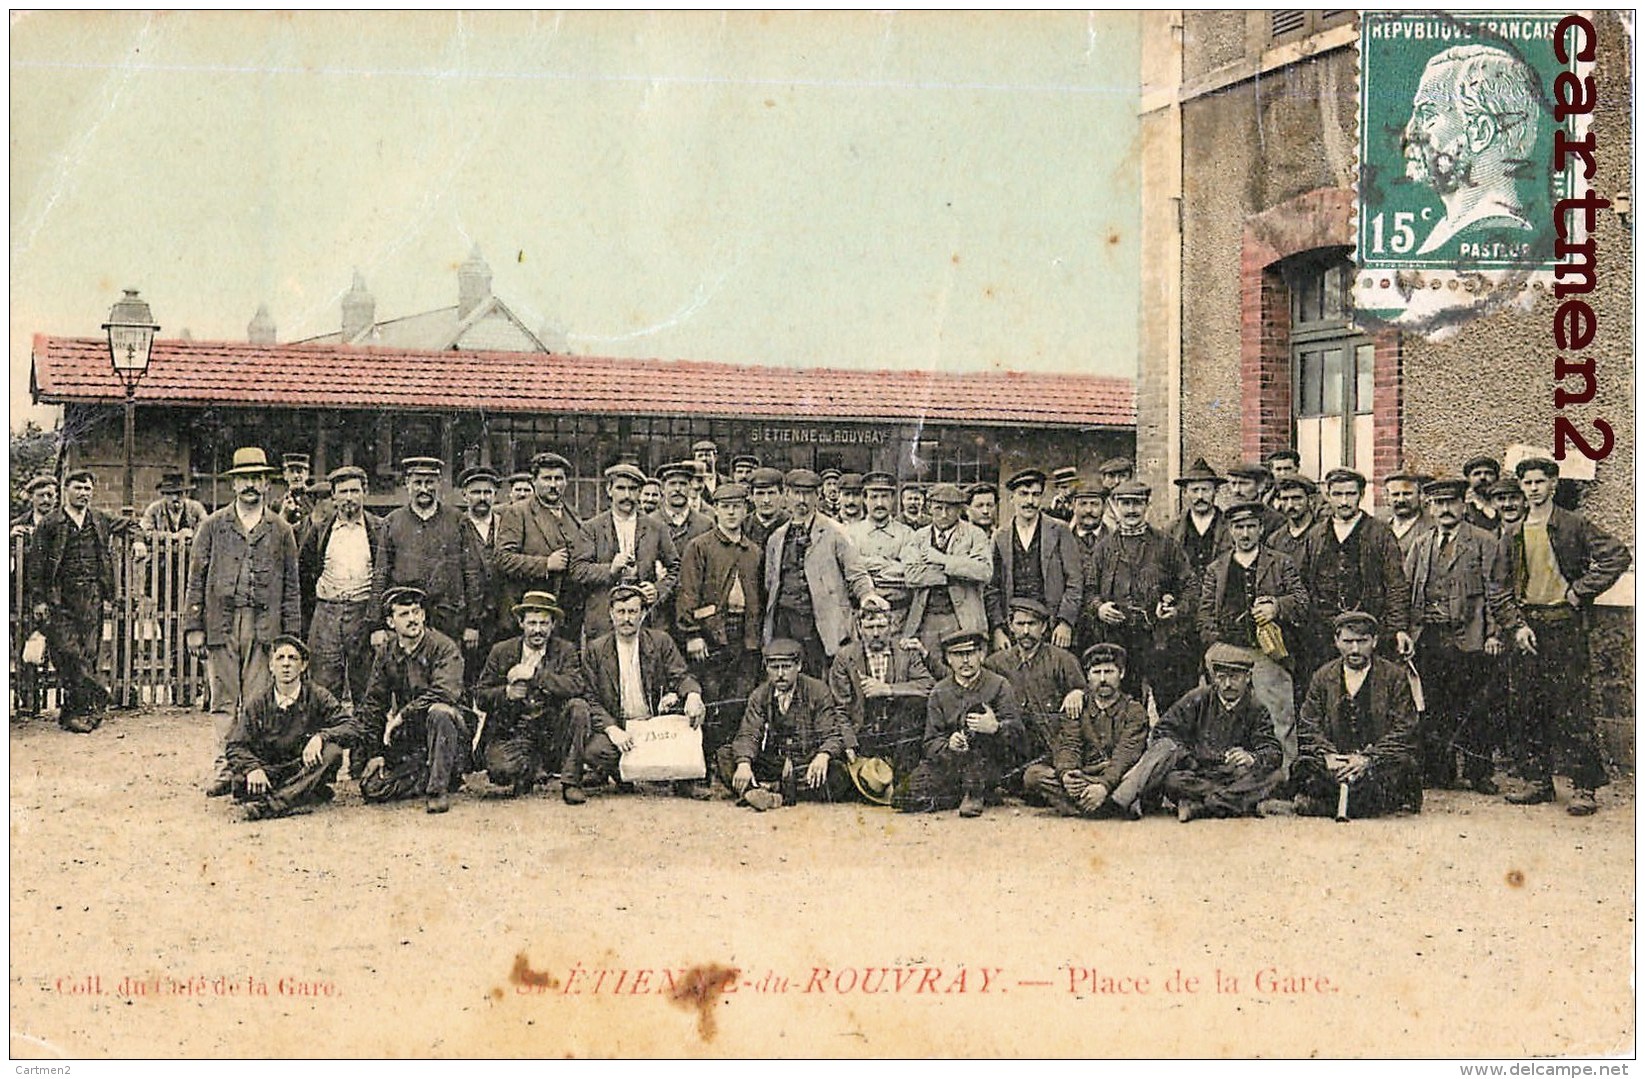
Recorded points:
77,369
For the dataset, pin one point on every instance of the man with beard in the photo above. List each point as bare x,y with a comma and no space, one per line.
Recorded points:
982,506
479,487
791,745
532,693
287,746
813,577
1036,557
853,505
413,731
1483,474
1213,752
1200,530
70,583
1352,563
1449,569
243,591
534,538
1088,506
1407,519
336,565
880,540
1093,749
620,546
881,686
973,734
1357,730
1046,680
765,496
1548,569
1136,595
427,546
949,562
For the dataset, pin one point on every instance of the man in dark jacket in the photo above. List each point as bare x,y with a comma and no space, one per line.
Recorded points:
287,745
1092,751
70,571
622,546
534,539
973,733
1036,556
881,685
336,566
1358,730
792,742
426,546
717,611
1352,562
1047,680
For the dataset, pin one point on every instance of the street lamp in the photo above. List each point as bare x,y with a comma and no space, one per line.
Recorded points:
131,329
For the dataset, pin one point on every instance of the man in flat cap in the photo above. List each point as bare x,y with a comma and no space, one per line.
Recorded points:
1200,530
1253,598
287,745
620,546
1046,680
682,523
767,505
853,504
742,467
479,487
43,499
948,563
882,542
1115,471
1213,752
633,672
1088,507
533,696
651,494
427,546
1034,556
718,610
1407,518
1351,562
982,507
911,506
1093,749
707,454
414,733
1249,482
973,733
69,573
1508,499
173,512
243,591
1547,571
1357,730
1136,594
881,684
813,577
1064,482
520,488
534,539
290,498
1295,497
1482,473
1449,567
336,565
828,503
791,744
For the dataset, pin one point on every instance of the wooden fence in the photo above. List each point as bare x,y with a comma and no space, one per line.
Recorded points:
143,658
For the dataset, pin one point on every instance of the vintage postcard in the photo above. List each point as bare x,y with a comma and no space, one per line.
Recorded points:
841,534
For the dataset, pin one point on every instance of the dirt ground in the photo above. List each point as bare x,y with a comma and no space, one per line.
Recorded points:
150,921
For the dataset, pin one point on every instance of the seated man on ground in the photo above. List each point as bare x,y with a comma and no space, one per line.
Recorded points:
287,746
881,686
791,745
1358,729
973,733
1092,751
1047,680
531,691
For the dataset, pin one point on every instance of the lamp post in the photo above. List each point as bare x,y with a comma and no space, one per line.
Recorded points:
131,329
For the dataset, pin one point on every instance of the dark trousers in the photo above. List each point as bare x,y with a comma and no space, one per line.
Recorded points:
1383,789
1559,728
768,771
1460,713
515,757
893,729
943,781
295,784
727,676
339,644
427,758
802,628
74,636
1223,789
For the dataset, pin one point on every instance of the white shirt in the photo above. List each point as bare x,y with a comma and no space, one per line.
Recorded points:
346,573
283,702
79,519
1201,524
247,523
630,686
625,527
482,525
1352,679
1342,528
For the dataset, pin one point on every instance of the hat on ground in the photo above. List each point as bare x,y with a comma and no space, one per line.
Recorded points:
874,602
745,459
477,473
851,481
1479,460
728,492
422,466
74,475
1065,474
1445,489
1355,620
1244,511
624,591
765,476
540,461
873,778
250,461
802,479
1031,606
1344,475
945,494
622,470
346,472
964,640
1506,486
683,469
294,460
39,482
1104,652
291,639
1541,464
878,481
404,596
1025,476
782,648
538,601
1245,470
171,483
1298,481
1131,490
1199,472
1223,654
704,444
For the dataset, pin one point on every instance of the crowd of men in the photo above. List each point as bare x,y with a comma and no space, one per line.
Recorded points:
835,637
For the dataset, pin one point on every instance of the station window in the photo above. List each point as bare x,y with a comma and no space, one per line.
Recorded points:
1332,365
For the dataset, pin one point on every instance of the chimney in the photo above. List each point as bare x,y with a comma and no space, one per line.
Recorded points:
260,331
473,283
359,310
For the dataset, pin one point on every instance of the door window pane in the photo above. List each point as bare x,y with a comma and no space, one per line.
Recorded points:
1365,377
1333,387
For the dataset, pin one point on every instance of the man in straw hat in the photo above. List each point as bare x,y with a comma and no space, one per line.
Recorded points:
791,746
243,591
532,693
